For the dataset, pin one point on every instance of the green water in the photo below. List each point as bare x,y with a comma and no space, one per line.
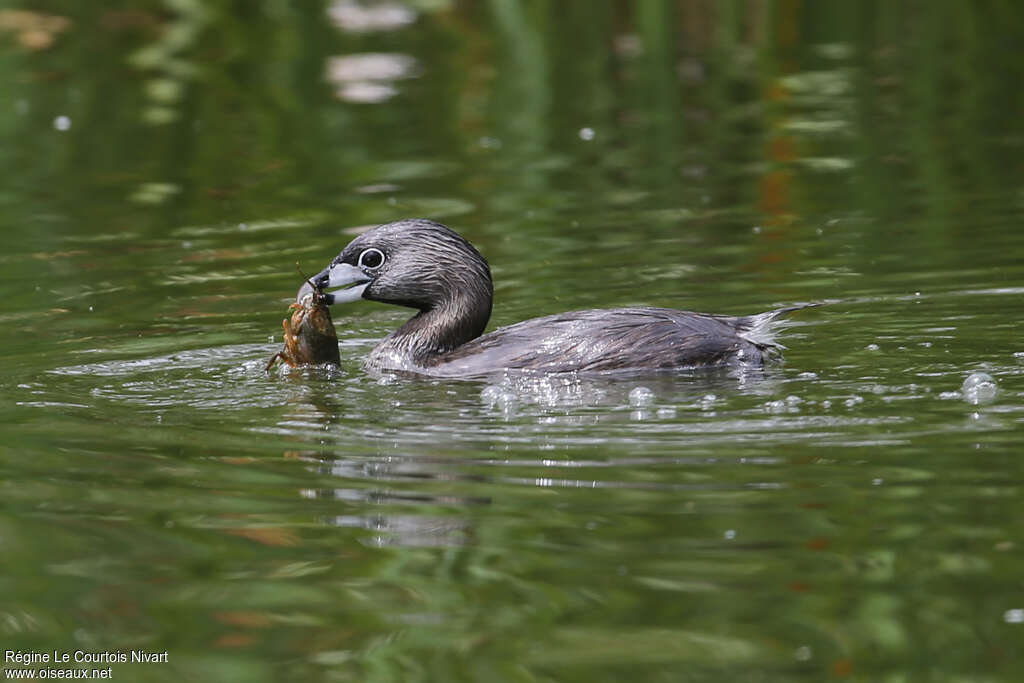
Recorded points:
853,514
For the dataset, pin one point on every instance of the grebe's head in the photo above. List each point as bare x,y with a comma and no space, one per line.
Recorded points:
416,263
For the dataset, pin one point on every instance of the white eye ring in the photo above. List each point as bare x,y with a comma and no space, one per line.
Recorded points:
371,259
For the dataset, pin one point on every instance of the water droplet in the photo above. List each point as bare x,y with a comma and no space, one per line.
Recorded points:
1014,616
729,534
802,653
587,134
641,396
979,387
497,396
62,123
871,347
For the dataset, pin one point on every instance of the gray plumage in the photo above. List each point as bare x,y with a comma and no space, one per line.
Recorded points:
431,268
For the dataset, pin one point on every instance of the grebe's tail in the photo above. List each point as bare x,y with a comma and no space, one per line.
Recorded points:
763,329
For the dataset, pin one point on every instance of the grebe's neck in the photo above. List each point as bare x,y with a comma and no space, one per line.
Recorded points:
433,332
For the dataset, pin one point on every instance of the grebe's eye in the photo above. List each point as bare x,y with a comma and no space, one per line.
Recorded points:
371,258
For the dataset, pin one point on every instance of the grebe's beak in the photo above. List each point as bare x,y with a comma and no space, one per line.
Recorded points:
351,279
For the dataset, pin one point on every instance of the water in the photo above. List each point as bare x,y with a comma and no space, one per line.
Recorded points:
852,513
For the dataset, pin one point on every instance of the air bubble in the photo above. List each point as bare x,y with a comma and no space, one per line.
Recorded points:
641,396
979,387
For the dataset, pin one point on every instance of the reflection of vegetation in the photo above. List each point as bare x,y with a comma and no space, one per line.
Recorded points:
671,90
32,30
167,60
